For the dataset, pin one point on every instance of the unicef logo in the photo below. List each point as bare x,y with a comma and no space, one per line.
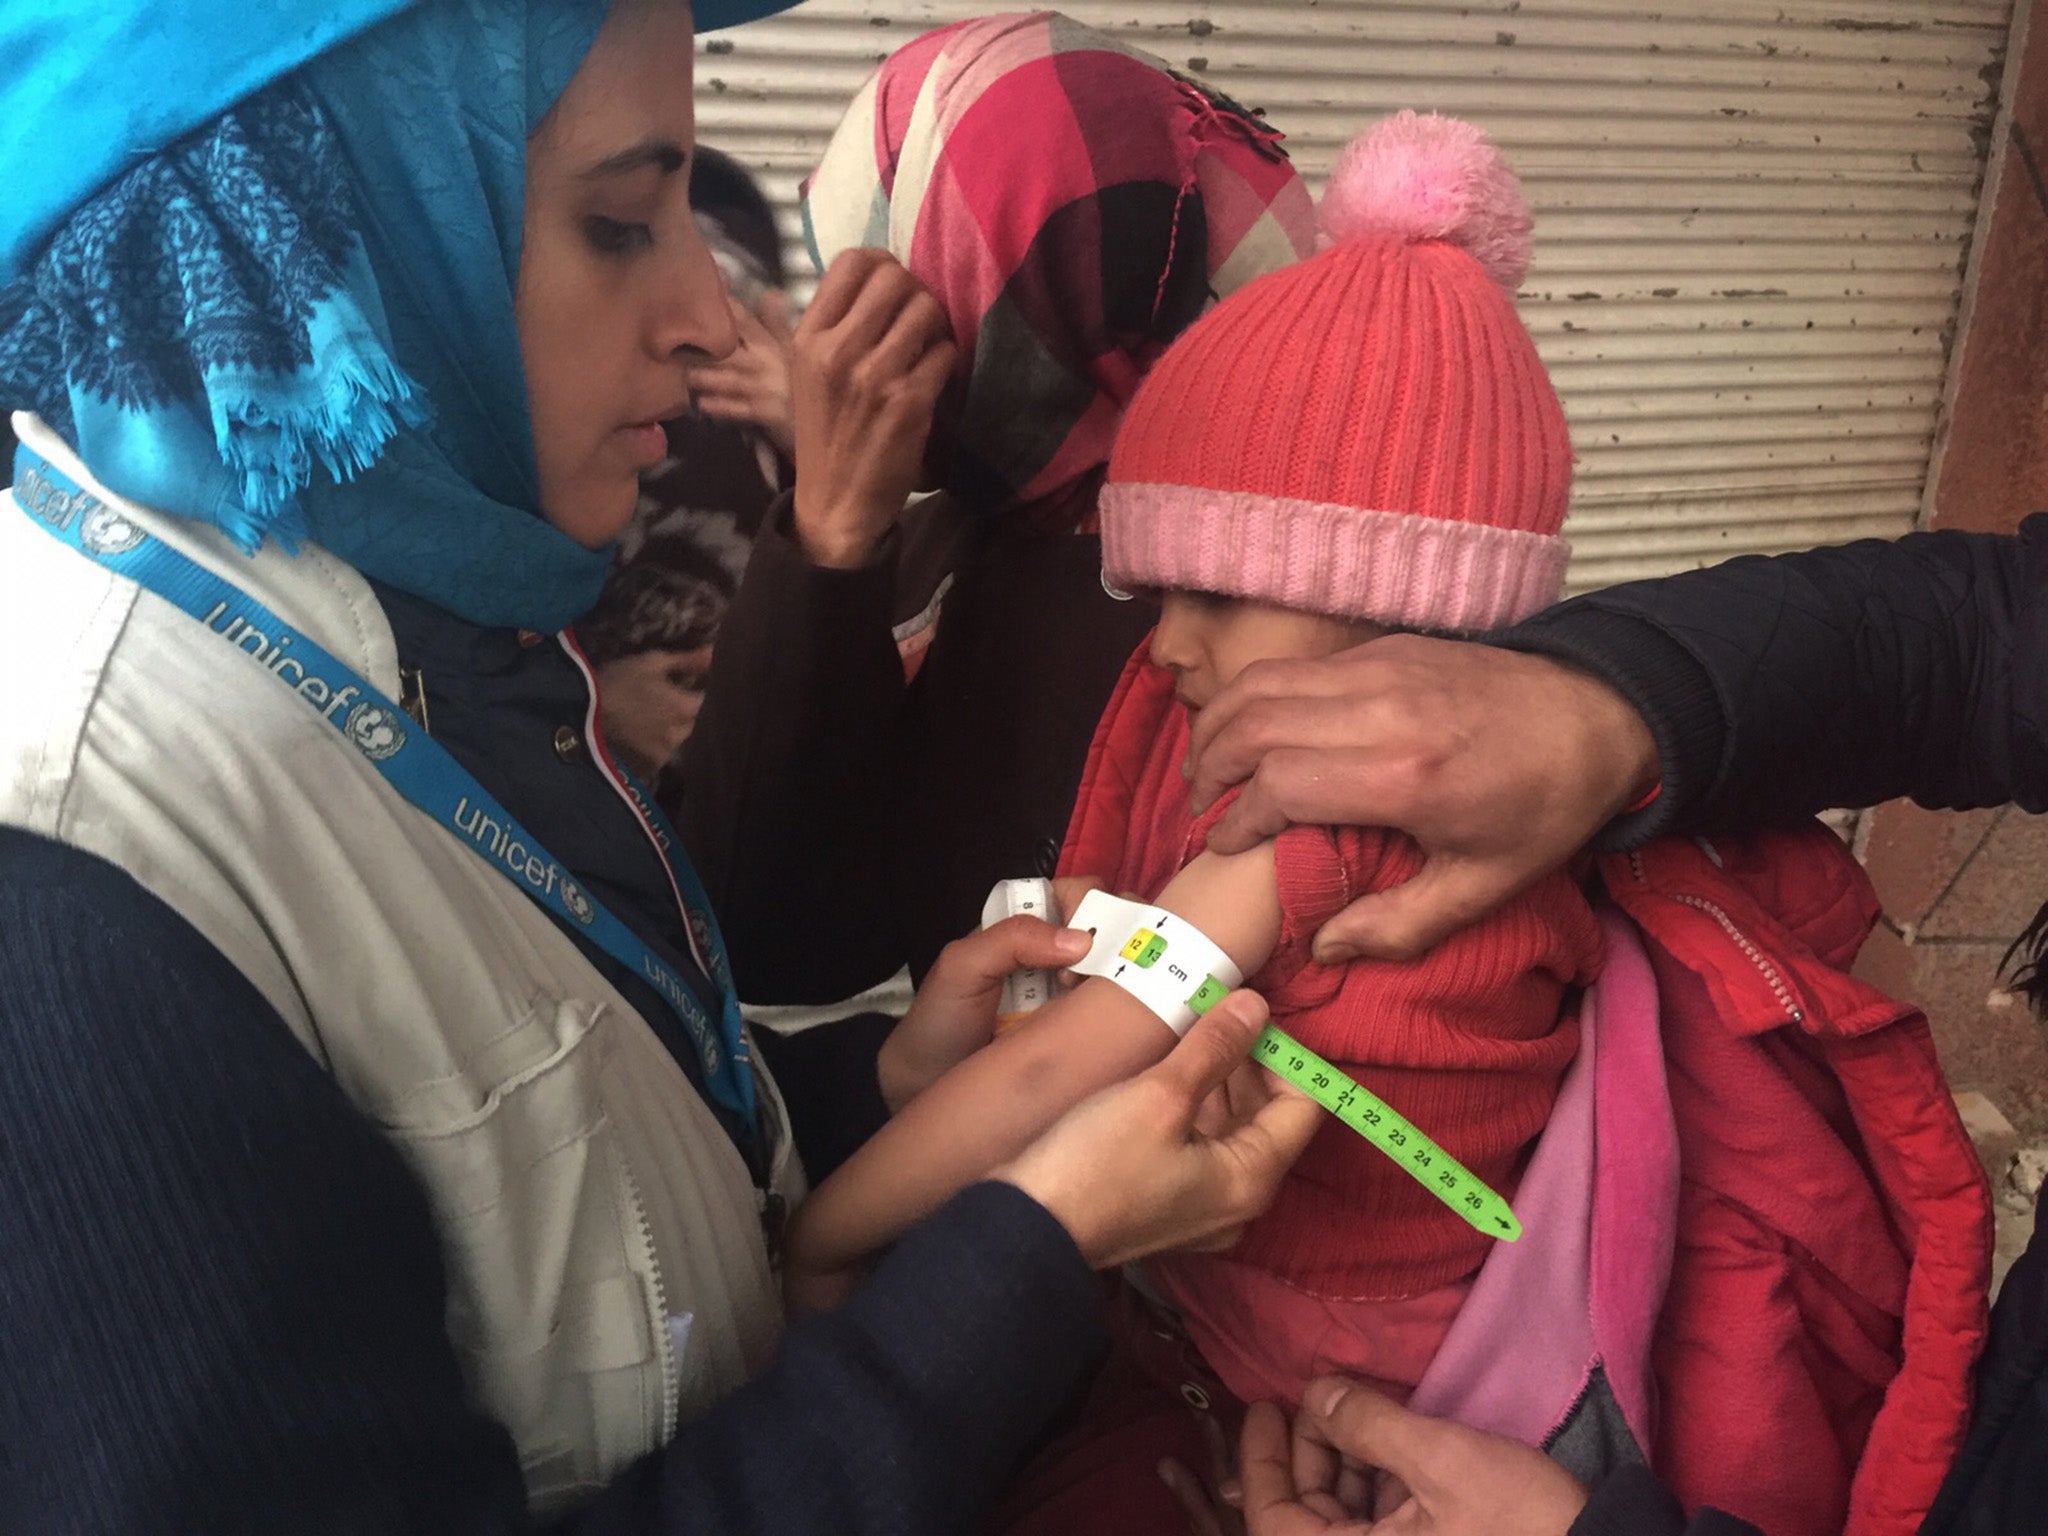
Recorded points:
710,948
375,731
577,903
104,531
702,931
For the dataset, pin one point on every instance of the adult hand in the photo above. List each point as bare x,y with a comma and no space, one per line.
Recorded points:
750,384
1501,766
954,1013
869,359
1447,1480
1180,1156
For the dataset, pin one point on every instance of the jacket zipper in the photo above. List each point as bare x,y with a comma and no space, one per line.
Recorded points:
1741,940
664,1343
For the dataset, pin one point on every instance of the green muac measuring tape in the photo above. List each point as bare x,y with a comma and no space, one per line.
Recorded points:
1369,1115
1180,974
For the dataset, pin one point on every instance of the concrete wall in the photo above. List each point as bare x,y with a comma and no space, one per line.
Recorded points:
1957,888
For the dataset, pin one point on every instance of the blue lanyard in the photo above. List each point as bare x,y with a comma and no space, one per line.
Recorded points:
416,765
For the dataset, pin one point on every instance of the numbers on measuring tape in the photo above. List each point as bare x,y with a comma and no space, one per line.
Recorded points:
1143,949
1432,1167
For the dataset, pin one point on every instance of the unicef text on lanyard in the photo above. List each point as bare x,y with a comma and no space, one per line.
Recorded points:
412,762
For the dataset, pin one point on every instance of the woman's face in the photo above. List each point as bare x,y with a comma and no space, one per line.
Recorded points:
617,291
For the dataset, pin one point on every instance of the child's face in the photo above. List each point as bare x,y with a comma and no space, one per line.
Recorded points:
1205,640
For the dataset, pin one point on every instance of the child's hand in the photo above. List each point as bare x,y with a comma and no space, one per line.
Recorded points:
752,385
954,1014
650,702
869,359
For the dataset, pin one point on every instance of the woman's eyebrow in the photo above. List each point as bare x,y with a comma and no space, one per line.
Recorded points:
665,155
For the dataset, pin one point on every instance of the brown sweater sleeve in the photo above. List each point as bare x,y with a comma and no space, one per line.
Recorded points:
787,778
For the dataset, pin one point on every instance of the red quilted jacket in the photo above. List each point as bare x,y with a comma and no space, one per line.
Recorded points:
1828,1295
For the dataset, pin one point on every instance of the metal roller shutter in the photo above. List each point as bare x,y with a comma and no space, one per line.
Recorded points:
1752,215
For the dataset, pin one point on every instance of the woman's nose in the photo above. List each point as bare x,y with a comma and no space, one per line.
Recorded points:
695,314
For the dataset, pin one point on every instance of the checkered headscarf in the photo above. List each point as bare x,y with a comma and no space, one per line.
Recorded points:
1073,204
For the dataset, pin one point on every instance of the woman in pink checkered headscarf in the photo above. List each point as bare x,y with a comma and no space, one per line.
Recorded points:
1072,204
912,729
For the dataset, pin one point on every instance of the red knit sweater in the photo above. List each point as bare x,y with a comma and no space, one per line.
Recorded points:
1469,1042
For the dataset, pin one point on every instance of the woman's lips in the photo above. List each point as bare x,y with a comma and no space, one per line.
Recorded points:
648,441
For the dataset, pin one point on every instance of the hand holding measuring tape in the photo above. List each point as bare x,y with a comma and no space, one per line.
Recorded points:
1181,1156
1178,973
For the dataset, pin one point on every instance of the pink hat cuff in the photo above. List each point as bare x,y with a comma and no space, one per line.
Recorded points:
1393,568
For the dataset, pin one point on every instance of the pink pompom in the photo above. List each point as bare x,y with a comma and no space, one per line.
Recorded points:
1416,177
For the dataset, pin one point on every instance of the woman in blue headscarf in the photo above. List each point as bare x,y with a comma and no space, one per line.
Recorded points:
379,1146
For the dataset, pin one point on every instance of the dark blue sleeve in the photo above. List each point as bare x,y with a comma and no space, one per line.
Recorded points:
1999,1483
907,1409
221,1299
1631,1502
1780,686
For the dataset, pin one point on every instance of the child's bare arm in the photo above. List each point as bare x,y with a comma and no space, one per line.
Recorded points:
996,1103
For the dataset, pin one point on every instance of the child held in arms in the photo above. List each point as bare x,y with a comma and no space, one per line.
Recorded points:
1365,441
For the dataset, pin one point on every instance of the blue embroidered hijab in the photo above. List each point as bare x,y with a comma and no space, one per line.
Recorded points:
296,320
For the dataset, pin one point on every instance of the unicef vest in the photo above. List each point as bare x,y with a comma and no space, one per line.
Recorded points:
608,1277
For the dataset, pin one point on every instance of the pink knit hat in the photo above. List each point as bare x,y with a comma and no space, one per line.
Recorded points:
1369,432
